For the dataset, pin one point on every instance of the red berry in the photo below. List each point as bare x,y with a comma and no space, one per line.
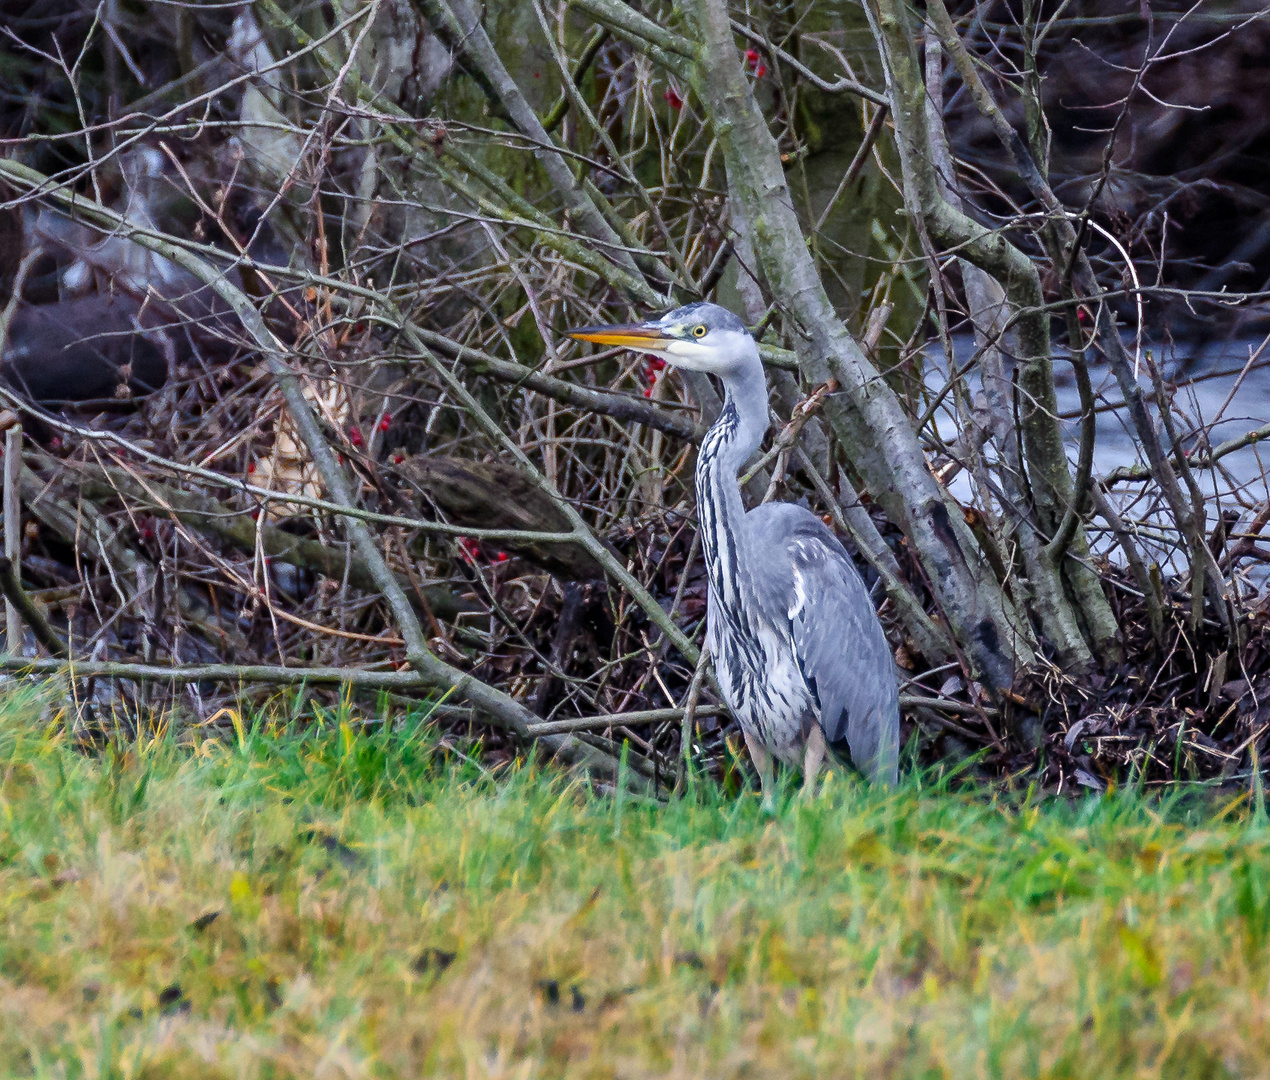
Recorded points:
385,422
397,459
760,71
355,435
251,467
500,556
751,56
673,98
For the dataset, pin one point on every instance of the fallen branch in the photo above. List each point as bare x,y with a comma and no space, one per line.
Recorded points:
660,716
492,493
210,516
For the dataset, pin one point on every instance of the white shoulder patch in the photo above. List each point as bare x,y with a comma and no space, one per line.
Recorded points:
805,554
800,595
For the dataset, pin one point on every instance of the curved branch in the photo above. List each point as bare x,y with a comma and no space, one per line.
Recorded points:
1043,451
44,633
589,52
501,709
1200,461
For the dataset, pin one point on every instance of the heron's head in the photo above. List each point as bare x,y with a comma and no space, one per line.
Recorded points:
699,337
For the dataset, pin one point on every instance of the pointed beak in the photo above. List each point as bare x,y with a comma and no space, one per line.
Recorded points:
639,336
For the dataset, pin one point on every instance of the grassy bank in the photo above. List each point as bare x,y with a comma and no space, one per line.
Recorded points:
336,904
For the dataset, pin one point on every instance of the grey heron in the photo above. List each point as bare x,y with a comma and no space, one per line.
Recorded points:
798,650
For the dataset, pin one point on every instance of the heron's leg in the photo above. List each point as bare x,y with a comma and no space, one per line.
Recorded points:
813,758
763,762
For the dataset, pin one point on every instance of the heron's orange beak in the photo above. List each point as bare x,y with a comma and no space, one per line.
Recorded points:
632,336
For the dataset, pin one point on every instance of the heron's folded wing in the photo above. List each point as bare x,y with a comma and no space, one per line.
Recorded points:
844,655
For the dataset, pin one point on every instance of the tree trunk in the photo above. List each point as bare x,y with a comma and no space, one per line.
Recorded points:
867,416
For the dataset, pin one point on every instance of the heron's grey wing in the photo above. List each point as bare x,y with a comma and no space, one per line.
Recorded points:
839,644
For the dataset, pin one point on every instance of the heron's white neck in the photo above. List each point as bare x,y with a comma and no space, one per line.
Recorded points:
740,428
724,450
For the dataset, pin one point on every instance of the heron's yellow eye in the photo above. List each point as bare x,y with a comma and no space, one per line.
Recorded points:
699,331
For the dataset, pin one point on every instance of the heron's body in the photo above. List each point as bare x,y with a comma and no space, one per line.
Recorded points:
758,670
799,653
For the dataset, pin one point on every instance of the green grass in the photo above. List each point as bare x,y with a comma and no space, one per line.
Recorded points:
386,909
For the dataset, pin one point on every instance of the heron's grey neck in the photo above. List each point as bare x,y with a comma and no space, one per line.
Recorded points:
724,450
